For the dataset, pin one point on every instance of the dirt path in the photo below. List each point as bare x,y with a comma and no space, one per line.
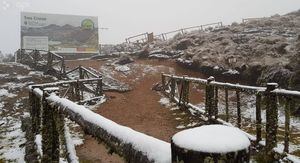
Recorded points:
138,109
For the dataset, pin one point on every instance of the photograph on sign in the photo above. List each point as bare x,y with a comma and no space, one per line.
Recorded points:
59,33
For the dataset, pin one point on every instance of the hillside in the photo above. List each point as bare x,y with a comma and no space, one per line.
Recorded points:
258,50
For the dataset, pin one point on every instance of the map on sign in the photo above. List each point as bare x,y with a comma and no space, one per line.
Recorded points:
59,33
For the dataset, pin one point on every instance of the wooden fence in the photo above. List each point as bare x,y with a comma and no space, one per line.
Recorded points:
46,61
49,109
178,88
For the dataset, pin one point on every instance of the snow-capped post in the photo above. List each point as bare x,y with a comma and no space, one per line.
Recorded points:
35,111
209,99
50,135
287,114
226,105
163,82
210,143
258,117
271,120
238,106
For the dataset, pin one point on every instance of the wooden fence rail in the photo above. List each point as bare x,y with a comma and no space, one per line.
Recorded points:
171,85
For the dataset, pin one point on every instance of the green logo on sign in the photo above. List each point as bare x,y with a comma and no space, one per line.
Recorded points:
87,24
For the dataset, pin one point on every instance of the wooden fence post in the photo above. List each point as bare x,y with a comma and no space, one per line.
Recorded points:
81,75
99,90
216,101
35,112
287,124
258,118
35,58
163,82
209,99
173,85
238,106
271,120
49,61
226,105
50,135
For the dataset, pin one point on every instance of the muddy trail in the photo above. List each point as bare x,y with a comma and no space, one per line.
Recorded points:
140,109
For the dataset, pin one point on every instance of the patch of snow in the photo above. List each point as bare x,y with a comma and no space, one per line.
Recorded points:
38,142
12,140
212,139
4,75
122,68
165,102
4,92
159,56
13,86
20,77
70,145
180,127
231,72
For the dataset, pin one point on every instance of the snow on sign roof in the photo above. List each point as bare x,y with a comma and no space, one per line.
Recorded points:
212,139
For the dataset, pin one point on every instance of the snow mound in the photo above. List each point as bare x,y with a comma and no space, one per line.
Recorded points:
212,139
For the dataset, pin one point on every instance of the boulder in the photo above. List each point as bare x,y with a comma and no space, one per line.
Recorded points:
183,44
124,60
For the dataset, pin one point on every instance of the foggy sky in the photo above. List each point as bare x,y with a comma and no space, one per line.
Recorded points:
129,17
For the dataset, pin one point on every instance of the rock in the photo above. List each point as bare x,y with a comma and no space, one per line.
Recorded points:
124,60
183,44
157,87
276,74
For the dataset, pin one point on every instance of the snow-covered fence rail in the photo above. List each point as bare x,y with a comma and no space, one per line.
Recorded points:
48,113
46,61
178,90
